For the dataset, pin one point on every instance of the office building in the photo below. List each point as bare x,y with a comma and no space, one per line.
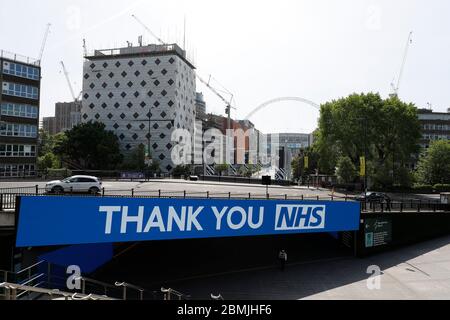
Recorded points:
142,94
49,125
435,126
200,105
67,116
20,79
289,146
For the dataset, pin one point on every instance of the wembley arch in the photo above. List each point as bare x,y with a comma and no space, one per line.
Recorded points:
282,99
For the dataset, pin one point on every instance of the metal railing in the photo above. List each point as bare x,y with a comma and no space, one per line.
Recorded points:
404,206
8,198
18,58
169,294
36,275
125,286
39,278
13,291
216,297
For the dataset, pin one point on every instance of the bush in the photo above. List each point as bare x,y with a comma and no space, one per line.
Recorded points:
423,188
442,187
59,173
181,171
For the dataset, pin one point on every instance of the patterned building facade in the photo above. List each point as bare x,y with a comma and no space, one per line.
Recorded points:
142,94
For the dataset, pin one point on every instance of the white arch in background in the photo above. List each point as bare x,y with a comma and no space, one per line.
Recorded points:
272,170
281,99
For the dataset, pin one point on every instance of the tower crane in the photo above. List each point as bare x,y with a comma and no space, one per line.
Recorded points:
206,83
66,74
148,30
396,88
227,103
44,42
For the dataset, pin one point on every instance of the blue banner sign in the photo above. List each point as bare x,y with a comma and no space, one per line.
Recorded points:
46,221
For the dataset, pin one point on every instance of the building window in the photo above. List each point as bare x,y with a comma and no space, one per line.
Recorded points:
20,90
20,70
18,130
17,150
17,170
19,110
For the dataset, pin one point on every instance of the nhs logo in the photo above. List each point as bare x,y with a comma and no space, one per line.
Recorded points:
299,217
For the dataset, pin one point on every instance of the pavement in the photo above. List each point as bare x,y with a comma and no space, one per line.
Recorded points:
416,272
318,269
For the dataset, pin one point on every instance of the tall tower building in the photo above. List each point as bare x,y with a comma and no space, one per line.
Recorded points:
20,79
142,94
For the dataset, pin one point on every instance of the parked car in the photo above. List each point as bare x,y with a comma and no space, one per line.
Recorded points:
76,184
373,197
193,178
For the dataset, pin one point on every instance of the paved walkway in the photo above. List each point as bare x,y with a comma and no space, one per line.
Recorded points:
421,271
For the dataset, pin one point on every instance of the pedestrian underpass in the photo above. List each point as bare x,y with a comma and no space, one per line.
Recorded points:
171,242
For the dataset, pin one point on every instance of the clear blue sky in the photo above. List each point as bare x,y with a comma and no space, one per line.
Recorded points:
259,50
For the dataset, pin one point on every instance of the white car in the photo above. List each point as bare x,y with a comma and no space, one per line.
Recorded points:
77,184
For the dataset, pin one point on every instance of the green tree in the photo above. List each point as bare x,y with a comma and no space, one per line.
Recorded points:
136,160
182,170
298,163
387,131
45,143
48,161
90,146
346,170
221,168
248,171
154,166
434,164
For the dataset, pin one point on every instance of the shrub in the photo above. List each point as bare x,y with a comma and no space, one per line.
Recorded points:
181,171
58,173
423,188
442,187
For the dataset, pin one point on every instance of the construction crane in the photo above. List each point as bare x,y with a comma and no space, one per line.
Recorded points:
396,88
148,29
66,74
206,83
44,42
227,103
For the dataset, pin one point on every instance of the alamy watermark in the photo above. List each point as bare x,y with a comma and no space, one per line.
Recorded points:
73,282
374,281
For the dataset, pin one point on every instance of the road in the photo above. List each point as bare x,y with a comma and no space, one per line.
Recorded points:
199,188
219,189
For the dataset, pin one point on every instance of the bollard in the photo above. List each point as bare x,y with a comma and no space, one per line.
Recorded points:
37,189
132,192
